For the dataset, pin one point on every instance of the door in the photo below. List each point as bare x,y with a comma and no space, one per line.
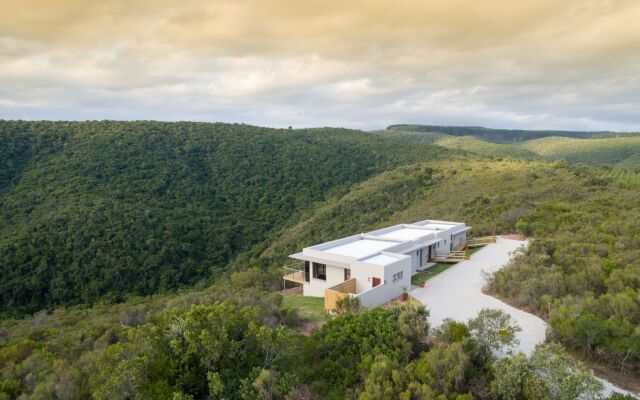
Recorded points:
421,257
432,252
376,282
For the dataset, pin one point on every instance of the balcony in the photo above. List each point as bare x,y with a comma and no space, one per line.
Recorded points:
294,273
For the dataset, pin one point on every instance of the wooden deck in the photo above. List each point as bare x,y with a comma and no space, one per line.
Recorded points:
452,257
480,241
297,277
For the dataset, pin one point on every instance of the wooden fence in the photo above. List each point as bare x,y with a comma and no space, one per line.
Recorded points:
338,292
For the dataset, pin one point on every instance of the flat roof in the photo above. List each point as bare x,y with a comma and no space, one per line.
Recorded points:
368,247
360,248
439,226
405,234
380,259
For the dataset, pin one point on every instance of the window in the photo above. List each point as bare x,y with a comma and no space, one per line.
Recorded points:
320,271
347,274
306,271
397,276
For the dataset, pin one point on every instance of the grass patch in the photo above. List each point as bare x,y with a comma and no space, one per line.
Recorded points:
430,273
309,308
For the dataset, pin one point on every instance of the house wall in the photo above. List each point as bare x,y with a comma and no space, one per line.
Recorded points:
364,274
459,239
414,261
316,287
444,245
388,290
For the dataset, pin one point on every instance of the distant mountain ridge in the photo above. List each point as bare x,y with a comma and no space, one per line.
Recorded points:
620,150
504,135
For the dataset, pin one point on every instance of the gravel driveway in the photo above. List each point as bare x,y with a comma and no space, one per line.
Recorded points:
457,294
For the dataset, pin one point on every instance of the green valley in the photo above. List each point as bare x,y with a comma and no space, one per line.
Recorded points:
101,210
144,249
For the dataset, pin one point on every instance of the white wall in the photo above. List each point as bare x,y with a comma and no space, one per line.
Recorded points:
315,287
364,274
415,262
459,238
444,245
388,290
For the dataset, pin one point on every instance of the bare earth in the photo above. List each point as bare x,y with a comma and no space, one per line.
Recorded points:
457,294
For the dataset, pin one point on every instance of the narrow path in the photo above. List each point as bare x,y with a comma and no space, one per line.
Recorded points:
457,294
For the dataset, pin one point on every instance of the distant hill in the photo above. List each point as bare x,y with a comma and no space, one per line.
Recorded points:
93,210
503,135
620,150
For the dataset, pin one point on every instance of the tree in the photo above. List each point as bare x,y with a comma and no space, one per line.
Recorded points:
510,376
413,323
345,349
452,331
494,330
549,374
556,376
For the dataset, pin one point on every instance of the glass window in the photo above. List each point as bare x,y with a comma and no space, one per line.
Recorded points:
320,271
347,274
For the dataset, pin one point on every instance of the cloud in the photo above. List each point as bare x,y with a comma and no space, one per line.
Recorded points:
363,64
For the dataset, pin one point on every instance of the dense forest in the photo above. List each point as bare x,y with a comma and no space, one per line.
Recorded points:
100,210
93,214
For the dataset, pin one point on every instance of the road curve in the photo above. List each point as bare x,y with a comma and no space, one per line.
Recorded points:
457,294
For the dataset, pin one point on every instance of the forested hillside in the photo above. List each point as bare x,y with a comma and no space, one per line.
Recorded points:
616,151
619,150
581,273
92,210
503,135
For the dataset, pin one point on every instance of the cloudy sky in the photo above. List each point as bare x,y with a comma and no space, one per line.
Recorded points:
562,64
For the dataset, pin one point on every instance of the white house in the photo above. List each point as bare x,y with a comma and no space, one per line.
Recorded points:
374,266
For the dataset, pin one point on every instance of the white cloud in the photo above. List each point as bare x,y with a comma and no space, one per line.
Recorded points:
362,64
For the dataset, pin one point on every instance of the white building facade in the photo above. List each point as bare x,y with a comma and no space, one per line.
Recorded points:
376,266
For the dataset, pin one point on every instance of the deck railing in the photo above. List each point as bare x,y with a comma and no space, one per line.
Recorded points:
293,273
452,256
480,241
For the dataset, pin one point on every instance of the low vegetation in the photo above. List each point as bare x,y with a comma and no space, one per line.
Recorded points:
581,271
232,341
309,308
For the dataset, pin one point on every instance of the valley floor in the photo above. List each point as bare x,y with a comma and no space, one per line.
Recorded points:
457,294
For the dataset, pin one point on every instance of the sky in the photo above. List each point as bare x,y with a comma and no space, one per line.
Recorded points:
530,64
